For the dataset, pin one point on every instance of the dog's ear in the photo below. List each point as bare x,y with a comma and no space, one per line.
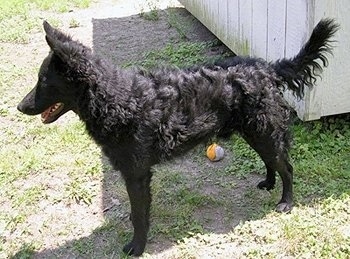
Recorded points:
54,37
48,28
59,48
55,33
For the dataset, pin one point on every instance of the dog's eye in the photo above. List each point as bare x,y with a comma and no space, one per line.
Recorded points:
42,78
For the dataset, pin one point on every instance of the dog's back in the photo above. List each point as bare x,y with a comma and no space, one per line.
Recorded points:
183,107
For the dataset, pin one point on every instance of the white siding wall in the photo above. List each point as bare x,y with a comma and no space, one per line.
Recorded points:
274,29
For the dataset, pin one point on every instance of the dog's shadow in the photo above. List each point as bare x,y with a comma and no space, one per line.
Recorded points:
231,200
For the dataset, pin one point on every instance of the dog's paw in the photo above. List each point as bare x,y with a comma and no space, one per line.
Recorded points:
266,185
284,207
133,248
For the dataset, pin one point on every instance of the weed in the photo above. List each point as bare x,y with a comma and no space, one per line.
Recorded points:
83,247
29,197
25,252
14,220
78,192
73,23
153,13
181,25
183,54
245,160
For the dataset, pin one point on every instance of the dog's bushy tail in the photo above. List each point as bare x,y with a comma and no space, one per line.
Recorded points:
309,62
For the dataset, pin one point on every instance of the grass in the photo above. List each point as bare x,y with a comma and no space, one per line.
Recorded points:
182,54
57,192
73,23
307,232
182,26
152,13
20,18
25,174
321,156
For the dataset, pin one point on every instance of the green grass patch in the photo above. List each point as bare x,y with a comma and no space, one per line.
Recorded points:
320,231
321,158
183,54
40,153
182,26
153,13
78,191
61,6
25,252
245,159
20,18
174,204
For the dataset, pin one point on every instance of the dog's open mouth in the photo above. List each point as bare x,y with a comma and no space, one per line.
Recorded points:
52,113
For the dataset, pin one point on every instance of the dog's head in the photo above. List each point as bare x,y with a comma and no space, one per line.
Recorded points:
58,87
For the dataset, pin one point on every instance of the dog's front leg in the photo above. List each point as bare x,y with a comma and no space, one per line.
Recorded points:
140,199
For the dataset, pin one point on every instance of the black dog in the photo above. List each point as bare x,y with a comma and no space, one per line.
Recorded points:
140,118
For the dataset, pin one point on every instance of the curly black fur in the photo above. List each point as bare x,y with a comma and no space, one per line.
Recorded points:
140,118
303,68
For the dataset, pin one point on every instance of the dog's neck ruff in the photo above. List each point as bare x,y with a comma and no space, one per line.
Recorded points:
104,110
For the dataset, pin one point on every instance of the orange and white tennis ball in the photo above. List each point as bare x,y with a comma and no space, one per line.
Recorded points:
215,152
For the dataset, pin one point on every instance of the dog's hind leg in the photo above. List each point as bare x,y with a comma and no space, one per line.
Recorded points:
140,199
285,170
269,183
276,160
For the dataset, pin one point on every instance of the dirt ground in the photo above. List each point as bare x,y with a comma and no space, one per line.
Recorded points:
115,30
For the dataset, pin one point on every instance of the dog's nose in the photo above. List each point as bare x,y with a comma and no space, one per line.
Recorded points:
20,107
